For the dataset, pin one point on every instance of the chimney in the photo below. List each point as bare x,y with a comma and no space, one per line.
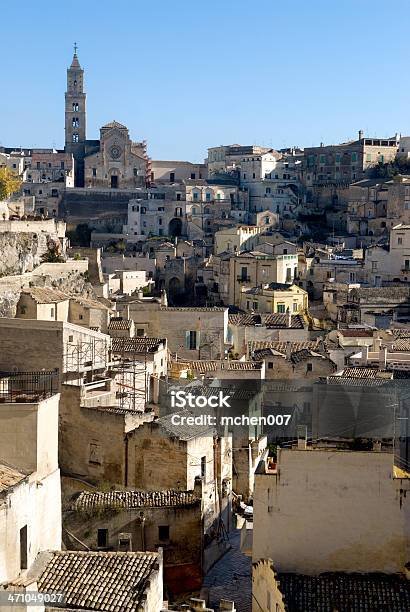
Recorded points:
365,355
361,134
383,358
164,298
288,318
288,350
301,432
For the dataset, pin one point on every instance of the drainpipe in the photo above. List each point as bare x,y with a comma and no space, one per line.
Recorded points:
126,461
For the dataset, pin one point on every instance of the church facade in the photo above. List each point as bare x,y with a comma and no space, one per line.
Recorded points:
113,161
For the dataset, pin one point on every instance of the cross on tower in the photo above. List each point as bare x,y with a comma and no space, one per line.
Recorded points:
75,48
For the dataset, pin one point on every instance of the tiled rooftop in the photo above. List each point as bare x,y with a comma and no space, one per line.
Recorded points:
44,295
103,581
118,323
139,344
202,366
345,592
9,477
194,308
356,333
273,321
89,500
281,347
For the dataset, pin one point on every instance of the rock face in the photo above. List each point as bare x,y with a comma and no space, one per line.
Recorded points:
21,252
71,282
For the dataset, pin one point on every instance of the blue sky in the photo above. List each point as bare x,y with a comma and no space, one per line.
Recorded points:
187,75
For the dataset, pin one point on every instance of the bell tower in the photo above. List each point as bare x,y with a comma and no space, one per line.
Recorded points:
75,117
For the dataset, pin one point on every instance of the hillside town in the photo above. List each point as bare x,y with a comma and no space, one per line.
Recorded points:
135,291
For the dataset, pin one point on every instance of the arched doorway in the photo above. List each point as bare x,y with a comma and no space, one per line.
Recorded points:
175,227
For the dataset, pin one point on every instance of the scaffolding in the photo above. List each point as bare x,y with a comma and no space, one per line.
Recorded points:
131,376
86,356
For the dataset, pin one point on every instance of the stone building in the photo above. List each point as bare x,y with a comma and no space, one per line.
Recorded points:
144,521
47,175
331,511
119,163
168,454
93,424
46,304
328,170
275,591
292,360
30,515
246,328
252,268
74,350
274,298
192,333
375,306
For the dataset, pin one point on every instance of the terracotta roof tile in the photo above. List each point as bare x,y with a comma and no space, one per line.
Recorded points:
89,500
139,344
101,581
339,591
9,477
118,323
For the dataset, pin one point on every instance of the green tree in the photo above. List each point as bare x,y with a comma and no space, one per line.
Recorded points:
9,183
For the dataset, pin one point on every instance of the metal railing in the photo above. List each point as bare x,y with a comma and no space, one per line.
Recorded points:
28,387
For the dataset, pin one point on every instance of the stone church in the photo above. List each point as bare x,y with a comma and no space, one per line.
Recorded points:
113,161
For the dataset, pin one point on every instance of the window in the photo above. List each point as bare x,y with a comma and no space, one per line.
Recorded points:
309,367
268,190
244,175
270,365
195,195
191,340
94,171
407,264
203,468
208,197
399,240
374,266
22,310
76,122
75,106
102,538
192,175
80,316
178,197
160,221
280,308
62,165
354,157
23,548
76,137
52,312
70,338
253,175
172,177
163,532
295,306
140,331
95,453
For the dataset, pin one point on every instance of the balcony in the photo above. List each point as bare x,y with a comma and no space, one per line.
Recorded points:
28,387
243,279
